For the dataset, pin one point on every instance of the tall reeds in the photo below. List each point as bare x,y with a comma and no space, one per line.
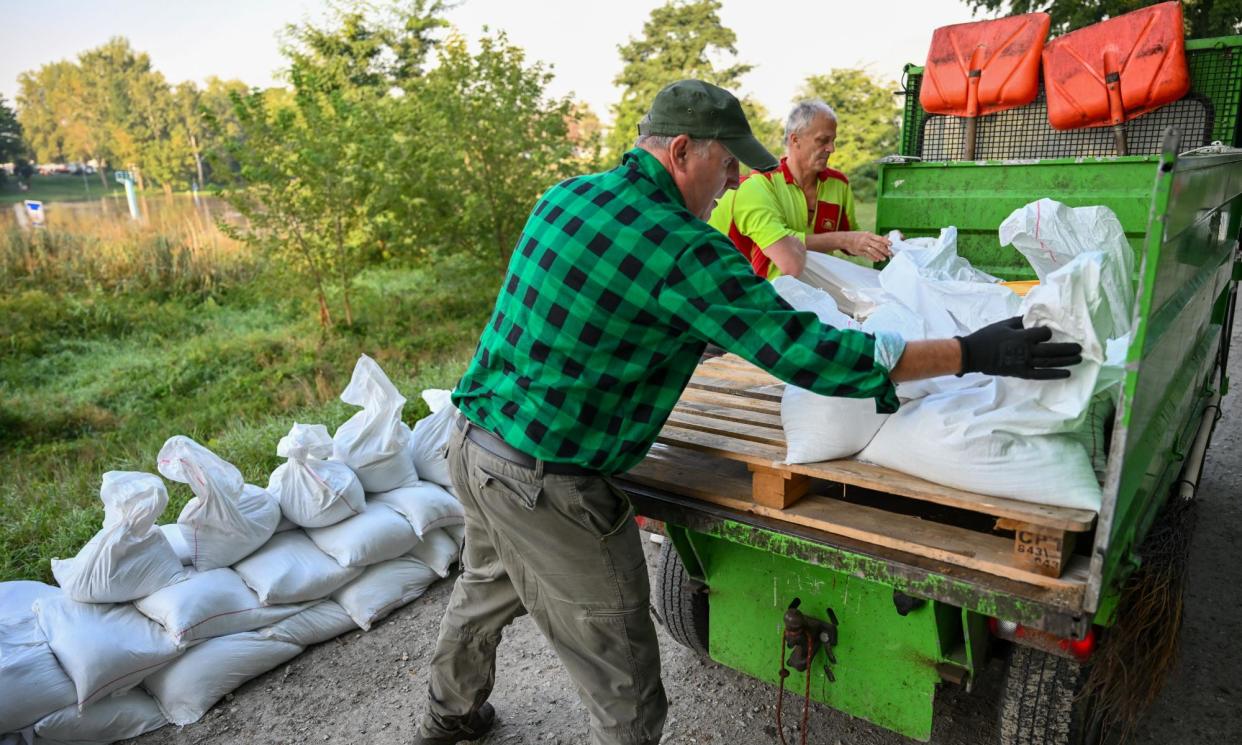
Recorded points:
177,249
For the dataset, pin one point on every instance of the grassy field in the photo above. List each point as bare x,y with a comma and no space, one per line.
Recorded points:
113,342
59,188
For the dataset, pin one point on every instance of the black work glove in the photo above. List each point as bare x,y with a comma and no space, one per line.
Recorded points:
1005,348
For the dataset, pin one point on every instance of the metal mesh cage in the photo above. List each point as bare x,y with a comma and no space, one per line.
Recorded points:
1209,112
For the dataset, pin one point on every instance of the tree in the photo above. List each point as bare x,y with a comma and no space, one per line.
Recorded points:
679,41
12,144
868,121
486,119
309,164
1203,18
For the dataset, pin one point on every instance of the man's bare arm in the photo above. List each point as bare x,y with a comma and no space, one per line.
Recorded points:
789,255
928,359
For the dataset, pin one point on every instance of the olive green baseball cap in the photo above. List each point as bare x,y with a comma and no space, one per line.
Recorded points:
706,112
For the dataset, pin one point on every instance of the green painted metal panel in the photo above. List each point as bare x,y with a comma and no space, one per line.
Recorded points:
886,664
921,198
1186,272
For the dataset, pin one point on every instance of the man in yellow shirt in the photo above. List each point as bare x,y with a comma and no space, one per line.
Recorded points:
774,218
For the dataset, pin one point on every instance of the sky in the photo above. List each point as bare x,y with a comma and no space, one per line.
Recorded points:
785,40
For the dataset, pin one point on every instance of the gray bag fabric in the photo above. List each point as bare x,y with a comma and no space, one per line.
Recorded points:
209,604
291,569
190,686
113,718
105,649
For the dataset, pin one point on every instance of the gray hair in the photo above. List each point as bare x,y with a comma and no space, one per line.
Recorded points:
659,142
803,113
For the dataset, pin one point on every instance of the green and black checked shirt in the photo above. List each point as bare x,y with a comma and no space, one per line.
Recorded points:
612,294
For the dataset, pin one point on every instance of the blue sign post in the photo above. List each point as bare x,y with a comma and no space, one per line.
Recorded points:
127,178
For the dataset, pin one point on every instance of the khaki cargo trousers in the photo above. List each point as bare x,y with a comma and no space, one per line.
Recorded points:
566,550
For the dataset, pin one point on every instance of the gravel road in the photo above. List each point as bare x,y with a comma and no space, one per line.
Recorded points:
370,688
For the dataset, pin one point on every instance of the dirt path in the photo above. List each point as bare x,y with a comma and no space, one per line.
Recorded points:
369,688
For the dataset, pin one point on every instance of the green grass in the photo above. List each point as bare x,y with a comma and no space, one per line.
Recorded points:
93,380
59,188
865,212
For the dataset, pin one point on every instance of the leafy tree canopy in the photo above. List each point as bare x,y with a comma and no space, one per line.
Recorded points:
12,145
682,39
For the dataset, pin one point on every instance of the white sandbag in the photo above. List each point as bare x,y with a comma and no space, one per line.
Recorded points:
292,569
129,557
459,534
383,588
427,506
856,289
314,492
822,427
28,665
948,306
932,438
105,649
225,520
1050,234
374,442
108,720
320,622
188,688
212,603
937,257
431,435
376,535
176,539
17,598
438,549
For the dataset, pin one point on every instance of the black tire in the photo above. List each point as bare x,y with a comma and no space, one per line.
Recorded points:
1041,705
679,606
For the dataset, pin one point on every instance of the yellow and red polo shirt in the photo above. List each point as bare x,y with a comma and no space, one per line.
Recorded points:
767,207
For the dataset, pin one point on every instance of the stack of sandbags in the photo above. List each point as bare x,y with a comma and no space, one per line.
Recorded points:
224,521
222,596
988,434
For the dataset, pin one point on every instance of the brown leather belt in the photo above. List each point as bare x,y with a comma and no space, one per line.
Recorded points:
501,449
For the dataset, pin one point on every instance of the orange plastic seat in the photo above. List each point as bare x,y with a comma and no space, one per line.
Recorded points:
1113,71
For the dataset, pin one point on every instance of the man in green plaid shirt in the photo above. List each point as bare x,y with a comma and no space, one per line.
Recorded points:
615,287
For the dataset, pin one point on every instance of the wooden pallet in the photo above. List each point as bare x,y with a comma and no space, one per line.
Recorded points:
729,419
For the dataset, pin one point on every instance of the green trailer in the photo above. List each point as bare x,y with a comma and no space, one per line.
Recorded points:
896,588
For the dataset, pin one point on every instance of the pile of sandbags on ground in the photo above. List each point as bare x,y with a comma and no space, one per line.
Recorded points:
1037,441
154,624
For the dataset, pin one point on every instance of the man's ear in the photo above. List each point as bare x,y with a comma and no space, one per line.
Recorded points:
679,150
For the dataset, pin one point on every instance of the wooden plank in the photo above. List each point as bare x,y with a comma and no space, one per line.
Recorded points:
732,401
727,447
724,386
946,543
730,414
879,478
749,378
729,429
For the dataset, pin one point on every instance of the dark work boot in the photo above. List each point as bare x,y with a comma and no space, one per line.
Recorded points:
473,727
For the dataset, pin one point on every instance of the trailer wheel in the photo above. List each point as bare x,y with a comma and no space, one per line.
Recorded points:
679,606
1041,703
